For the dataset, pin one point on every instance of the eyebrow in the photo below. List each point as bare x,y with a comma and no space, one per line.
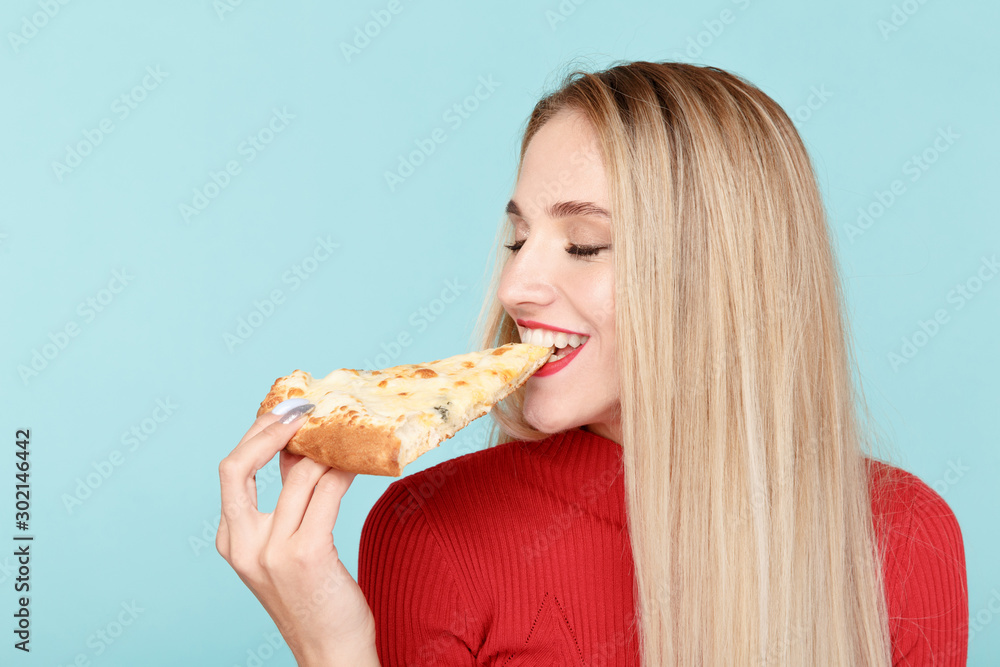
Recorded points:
566,209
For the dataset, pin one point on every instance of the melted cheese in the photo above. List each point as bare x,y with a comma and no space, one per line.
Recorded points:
436,396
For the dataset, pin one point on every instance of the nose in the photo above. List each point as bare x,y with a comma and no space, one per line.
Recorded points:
526,279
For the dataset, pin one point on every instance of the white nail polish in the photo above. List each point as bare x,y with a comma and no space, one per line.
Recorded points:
285,406
298,413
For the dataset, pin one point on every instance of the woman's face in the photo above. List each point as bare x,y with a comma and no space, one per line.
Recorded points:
558,284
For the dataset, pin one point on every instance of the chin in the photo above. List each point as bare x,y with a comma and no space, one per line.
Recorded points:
544,421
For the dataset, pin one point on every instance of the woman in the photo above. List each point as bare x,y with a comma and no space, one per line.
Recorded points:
691,486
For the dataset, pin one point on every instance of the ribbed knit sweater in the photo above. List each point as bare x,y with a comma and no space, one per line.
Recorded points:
519,555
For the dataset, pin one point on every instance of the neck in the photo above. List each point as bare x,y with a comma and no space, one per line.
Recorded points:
611,431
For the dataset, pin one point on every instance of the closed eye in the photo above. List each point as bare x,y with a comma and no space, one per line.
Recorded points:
578,250
586,250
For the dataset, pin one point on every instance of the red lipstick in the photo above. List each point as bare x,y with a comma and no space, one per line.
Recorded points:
531,324
557,365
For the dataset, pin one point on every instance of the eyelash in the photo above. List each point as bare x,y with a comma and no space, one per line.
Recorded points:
578,250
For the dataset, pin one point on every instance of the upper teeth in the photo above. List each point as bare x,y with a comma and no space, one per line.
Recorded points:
549,338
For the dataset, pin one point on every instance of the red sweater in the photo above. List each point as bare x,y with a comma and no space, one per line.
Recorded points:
518,555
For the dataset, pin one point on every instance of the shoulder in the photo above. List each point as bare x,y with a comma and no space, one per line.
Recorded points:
924,566
411,564
905,508
439,518
449,490
466,474
421,517
490,486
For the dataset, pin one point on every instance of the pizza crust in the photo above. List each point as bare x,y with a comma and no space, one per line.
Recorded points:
377,422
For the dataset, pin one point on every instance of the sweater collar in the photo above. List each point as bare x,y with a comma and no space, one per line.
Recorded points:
573,439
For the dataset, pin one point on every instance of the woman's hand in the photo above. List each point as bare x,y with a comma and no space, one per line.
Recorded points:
287,557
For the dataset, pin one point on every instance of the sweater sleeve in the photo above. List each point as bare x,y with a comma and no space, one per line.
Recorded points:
421,614
930,571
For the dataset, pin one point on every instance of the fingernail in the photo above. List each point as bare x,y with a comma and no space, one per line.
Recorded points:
285,406
297,412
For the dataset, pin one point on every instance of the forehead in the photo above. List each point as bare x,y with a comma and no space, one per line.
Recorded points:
562,162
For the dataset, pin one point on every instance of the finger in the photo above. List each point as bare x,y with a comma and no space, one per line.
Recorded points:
296,492
239,490
321,514
270,418
222,539
262,422
267,418
251,490
285,462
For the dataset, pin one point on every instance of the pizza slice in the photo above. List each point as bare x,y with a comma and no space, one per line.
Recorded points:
376,422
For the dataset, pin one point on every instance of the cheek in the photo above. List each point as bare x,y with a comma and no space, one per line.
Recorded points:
602,296
503,286
603,320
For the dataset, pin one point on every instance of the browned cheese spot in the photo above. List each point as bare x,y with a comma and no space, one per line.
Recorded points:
459,383
468,364
351,370
500,350
425,373
294,391
383,383
403,393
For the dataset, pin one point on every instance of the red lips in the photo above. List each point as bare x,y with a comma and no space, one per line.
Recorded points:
531,324
557,365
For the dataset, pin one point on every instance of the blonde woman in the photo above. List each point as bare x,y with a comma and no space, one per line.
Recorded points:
688,483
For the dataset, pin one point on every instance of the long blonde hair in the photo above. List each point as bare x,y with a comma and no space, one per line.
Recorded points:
746,485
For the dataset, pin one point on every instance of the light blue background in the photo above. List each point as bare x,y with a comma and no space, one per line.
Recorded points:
136,538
